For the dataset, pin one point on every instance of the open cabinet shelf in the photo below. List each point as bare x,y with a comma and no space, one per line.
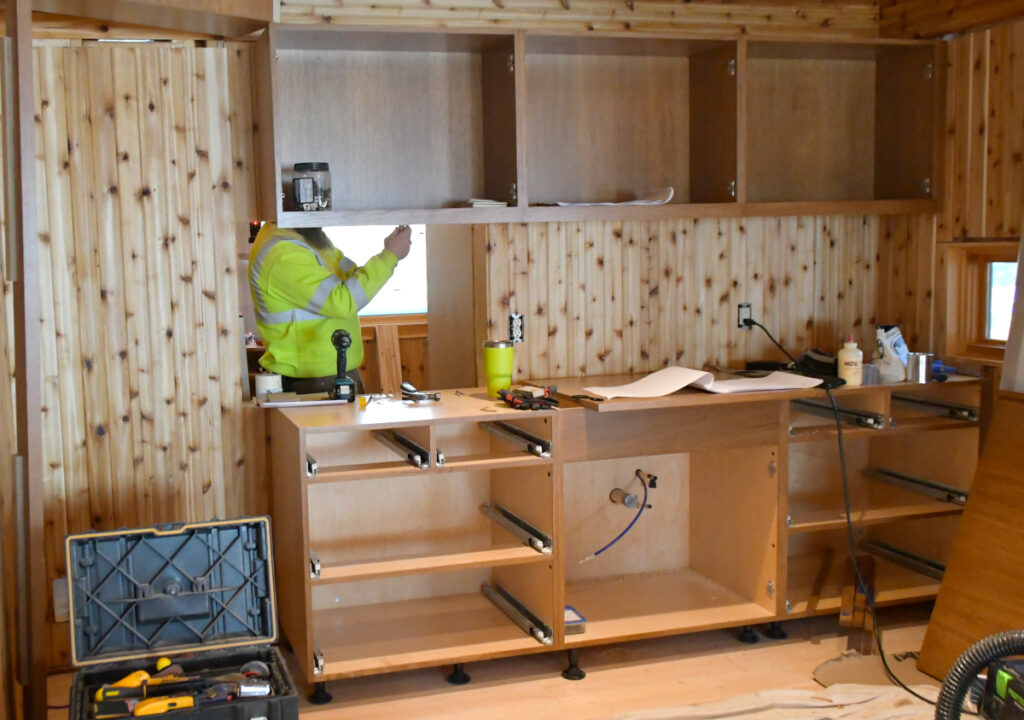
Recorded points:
817,519
394,567
893,584
653,604
386,637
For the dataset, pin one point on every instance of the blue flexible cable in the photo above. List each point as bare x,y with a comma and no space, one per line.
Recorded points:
643,506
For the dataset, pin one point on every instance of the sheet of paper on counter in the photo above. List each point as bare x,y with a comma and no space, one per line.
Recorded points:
669,380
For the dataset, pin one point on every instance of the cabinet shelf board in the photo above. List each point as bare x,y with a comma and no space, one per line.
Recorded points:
366,471
371,639
554,213
639,606
927,422
893,584
490,461
407,216
517,554
808,520
818,433
472,405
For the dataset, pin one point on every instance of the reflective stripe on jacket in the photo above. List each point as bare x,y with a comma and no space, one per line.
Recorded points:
301,295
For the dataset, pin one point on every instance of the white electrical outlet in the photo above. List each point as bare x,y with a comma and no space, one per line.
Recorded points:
743,313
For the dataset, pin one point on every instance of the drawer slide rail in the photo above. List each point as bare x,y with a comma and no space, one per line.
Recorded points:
518,527
518,613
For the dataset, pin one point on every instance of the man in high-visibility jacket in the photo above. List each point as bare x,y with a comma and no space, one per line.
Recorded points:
303,289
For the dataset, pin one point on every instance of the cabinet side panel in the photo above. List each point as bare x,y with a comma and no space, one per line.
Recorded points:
290,528
499,122
734,520
451,279
268,171
712,125
907,81
533,586
948,457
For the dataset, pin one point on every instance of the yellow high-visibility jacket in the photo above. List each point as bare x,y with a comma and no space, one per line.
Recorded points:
302,295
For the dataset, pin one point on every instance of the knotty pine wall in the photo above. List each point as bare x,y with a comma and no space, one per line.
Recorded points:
634,296
985,133
9,698
145,163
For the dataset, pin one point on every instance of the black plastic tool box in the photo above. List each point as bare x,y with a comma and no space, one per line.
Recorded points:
201,595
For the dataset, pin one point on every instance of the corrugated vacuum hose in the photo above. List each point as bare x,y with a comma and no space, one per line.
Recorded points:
975,659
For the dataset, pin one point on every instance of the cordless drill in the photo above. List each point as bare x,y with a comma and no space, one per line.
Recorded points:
344,387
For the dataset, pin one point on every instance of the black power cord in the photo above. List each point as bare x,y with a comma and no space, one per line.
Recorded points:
754,323
853,556
849,525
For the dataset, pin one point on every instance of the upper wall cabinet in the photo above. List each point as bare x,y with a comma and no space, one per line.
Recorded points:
407,122
415,123
842,121
609,119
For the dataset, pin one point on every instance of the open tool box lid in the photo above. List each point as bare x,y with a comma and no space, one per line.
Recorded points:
170,589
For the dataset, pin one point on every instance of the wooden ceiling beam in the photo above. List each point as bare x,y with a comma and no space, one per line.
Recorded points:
217,18
935,18
762,18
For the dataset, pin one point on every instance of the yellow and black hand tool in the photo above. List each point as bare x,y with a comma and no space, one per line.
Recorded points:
150,687
160,705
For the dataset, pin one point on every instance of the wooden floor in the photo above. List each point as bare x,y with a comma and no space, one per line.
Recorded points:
663,672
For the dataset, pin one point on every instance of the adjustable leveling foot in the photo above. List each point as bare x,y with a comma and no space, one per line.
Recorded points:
747,635
573,672
458,676
320,695
775,631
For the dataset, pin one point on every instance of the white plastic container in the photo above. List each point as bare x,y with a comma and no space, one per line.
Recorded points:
851,363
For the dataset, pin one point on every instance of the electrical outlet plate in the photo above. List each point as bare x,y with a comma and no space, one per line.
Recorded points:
742,313
516,327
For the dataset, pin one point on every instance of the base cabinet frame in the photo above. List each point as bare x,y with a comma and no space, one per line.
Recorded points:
732,508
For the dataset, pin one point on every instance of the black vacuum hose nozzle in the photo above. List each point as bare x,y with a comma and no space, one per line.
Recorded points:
975,659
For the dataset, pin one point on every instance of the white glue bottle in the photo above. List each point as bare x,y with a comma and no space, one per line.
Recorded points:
851,363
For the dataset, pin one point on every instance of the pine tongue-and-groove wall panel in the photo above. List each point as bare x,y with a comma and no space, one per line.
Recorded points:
145,167
9,697
985,134
840,18
633,297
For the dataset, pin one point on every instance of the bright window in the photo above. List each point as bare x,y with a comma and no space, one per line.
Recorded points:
406,292
1002,282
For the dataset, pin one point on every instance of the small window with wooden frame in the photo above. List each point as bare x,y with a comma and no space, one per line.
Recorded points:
981,279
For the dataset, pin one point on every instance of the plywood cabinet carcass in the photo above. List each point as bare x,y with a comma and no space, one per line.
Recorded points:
443,533
415,124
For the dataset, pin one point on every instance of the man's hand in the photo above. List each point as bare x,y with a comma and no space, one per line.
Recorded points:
399,241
